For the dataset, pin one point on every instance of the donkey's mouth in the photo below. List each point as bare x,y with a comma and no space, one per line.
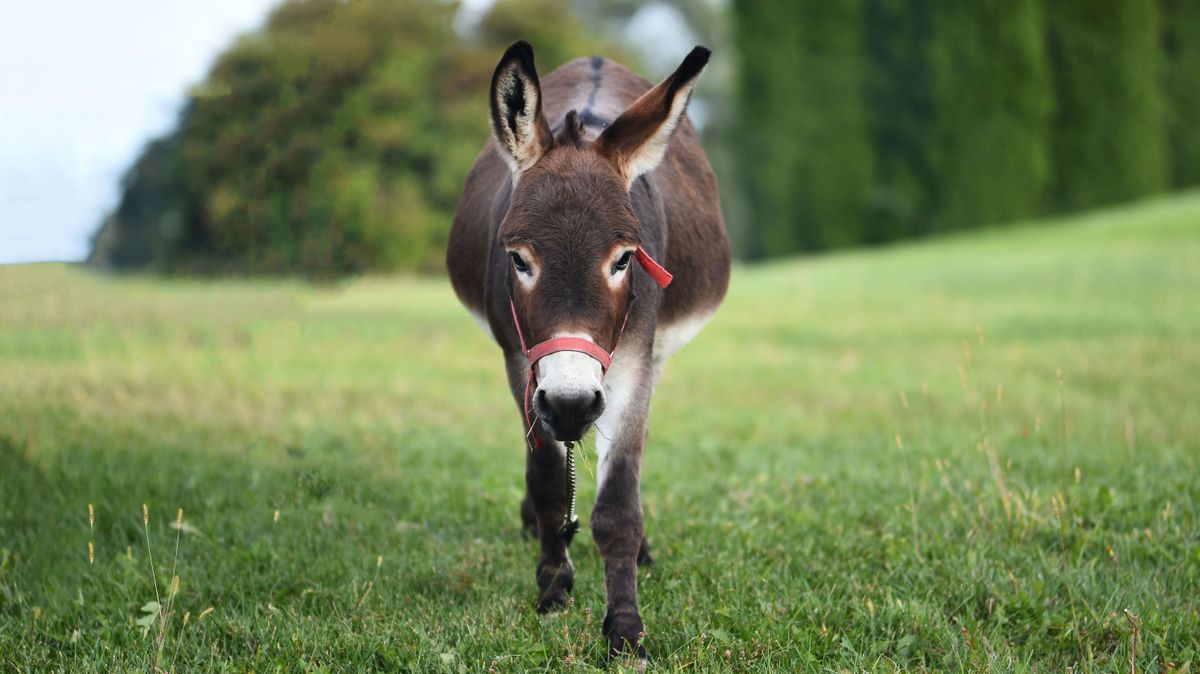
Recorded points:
571,435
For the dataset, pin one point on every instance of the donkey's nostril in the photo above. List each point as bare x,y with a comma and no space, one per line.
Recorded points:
567,414
597,404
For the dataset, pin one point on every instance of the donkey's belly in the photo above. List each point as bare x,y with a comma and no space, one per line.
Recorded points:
671,337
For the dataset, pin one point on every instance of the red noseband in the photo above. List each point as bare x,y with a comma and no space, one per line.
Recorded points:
578,344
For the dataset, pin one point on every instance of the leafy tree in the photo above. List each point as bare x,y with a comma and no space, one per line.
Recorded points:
333,141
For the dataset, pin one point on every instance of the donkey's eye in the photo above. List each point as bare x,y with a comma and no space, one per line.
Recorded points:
622,263
519,263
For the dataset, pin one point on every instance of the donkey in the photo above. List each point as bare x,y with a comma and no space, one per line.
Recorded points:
588,172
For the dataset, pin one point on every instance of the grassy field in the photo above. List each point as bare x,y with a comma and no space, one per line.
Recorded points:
967,455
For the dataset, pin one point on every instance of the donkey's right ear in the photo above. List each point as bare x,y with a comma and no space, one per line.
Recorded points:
516,106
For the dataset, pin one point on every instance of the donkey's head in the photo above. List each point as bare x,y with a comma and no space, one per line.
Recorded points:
571,234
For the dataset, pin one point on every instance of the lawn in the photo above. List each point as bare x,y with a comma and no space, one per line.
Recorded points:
971,454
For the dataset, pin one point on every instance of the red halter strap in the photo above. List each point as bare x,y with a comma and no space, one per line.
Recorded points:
656,271
585,346
579,344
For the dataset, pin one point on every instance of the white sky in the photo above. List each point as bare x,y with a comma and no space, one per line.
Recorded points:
83,85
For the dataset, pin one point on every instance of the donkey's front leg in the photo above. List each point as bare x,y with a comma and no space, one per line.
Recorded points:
546,496
546,479
617,523
617,528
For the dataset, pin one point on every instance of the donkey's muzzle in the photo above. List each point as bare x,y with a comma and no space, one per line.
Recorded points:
568,414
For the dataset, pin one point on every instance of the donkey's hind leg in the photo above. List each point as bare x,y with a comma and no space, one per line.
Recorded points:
528,517
644,557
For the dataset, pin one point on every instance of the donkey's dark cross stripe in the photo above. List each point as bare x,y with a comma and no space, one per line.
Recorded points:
597,73
575,214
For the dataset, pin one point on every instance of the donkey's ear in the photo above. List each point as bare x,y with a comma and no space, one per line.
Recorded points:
637,140
516,108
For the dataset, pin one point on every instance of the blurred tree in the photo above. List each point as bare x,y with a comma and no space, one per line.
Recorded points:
900,99
992,102
149,216
335,139
551,27
332,141
1181,48
1110,135
804,147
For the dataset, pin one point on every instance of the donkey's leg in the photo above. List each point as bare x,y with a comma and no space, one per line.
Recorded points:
617,528
644,556
545,502
546,480
528,517
617,523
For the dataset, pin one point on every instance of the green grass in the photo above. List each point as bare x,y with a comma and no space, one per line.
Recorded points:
866,462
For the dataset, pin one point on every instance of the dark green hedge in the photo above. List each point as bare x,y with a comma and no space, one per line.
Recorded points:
1110,138
1181,46
991,104
869,122
807,148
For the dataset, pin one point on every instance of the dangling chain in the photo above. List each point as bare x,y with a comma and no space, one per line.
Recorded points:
571,521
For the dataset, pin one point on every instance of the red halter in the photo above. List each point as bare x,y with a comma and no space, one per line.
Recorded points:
585,346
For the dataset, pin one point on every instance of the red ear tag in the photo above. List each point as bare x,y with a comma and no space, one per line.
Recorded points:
656,271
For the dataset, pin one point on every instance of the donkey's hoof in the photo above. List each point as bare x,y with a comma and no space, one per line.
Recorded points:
552,603
631,663
554,582
553,600
624,634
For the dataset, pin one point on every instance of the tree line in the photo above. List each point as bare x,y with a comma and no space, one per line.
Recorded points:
866,121
335,139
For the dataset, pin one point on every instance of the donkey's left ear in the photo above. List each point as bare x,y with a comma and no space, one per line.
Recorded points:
516,109
637,140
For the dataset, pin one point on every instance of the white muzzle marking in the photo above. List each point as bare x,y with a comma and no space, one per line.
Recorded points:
570,373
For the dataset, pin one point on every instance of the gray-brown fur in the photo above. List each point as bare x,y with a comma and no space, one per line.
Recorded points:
578,156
